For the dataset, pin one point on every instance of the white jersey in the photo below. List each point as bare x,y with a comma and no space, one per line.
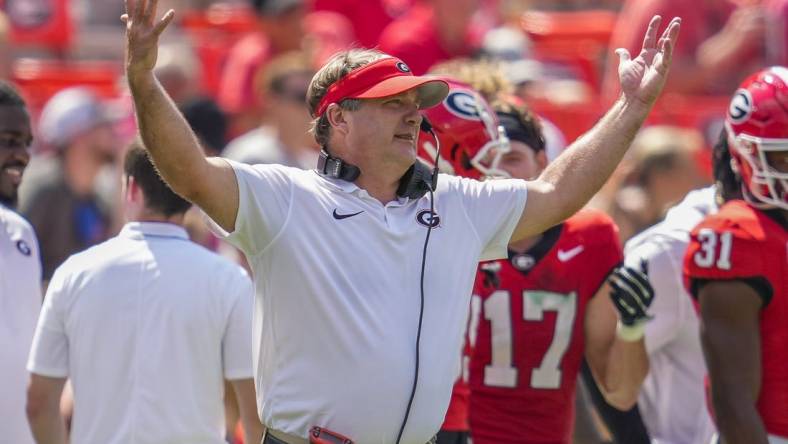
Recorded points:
20,302
147,326
337,281
672,401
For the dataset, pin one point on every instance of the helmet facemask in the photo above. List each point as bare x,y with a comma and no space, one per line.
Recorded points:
763,185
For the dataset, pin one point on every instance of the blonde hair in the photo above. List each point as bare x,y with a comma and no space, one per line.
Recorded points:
662,147
280,67
338,66
485,76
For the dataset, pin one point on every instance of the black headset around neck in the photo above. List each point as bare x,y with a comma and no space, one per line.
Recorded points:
414,184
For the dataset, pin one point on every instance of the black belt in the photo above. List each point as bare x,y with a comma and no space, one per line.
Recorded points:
268,439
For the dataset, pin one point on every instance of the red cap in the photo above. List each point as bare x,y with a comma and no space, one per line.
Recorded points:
383,78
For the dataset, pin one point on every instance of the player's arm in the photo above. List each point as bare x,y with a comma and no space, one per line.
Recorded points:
568,183
209,183
43,409
730,337
247,406
619,366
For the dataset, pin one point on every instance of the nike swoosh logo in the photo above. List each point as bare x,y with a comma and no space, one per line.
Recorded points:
565,255
338,216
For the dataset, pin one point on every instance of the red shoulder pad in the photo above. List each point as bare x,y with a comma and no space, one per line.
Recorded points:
726,245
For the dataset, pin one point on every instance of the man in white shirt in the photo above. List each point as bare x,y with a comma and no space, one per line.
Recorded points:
672,400
363,268
20,269
147,326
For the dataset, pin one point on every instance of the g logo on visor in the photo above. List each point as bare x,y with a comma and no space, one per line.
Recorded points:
741,106
402,67
463,105
23,248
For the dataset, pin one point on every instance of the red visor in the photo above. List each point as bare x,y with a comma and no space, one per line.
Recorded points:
383,78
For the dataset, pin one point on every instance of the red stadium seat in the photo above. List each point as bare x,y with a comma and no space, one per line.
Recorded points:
573,119
213,32
45,23
41,79
223,18
578,39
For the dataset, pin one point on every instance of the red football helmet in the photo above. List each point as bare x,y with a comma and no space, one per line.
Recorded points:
757,124
471,141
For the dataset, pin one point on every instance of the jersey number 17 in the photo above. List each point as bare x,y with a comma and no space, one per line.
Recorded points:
497,310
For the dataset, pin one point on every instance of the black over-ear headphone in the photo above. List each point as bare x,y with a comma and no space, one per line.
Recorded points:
414,184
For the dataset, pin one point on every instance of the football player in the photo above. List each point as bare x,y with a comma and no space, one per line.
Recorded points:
672,404
471,145
737,267
535,315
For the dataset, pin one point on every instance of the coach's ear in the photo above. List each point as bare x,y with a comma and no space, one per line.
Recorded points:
337,118
131,190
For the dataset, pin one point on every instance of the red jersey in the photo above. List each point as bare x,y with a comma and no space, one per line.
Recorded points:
742,242
529,342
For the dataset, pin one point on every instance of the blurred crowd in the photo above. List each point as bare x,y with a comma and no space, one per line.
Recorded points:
239,71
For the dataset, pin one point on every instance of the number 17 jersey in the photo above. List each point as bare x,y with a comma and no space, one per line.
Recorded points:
528,340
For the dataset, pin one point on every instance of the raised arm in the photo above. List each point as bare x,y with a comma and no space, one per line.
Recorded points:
173,147
573,178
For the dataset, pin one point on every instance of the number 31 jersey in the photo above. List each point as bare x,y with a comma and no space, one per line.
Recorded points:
741,242
527,332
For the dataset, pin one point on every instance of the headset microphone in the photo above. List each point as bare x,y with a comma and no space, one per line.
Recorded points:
430,184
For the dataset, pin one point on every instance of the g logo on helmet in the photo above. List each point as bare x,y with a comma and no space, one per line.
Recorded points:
741,106
402,67
463,105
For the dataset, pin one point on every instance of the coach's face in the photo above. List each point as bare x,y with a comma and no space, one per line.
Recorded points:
15,139
386,130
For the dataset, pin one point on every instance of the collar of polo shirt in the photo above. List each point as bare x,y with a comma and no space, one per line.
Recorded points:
383,78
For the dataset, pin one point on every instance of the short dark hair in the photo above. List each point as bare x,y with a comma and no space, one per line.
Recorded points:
208,122
159,196
9,96
520,123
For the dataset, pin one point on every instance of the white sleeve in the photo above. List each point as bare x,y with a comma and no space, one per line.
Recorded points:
49,352
264,197
665,278
494,207
237,340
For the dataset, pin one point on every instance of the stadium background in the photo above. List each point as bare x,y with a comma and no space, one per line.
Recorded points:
215,63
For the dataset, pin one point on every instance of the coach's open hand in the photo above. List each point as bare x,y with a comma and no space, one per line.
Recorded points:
142,35
643,77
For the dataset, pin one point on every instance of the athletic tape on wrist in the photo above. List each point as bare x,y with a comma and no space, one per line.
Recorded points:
631,333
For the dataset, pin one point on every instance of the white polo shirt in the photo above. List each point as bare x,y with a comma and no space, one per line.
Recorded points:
672,401
337,281
20,302
147,325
